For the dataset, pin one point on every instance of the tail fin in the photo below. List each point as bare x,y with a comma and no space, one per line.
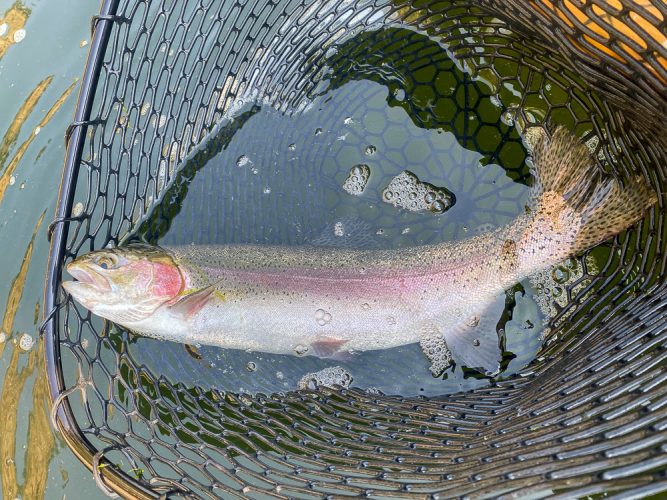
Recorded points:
575,206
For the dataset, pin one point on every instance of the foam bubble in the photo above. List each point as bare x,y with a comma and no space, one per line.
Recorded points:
437,352
26,342
328,377
300,349
322,317
357,179
19,35
243,161
251,366
552,284
407,191
77,209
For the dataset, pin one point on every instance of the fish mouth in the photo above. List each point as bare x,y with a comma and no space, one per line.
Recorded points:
88,281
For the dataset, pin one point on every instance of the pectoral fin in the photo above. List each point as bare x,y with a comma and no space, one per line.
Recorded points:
191,304
474,340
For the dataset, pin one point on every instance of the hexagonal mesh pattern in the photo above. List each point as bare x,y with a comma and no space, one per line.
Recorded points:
588,416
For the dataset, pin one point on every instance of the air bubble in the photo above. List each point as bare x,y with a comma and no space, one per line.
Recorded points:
365,306
507,118
77,209
3,337
476,342
339,229
266,190
318,131
348,121
292,147
560,275
357,179
328,377
26,342
300,349
243,161
19,35
407,191
370,150
322,317
251,366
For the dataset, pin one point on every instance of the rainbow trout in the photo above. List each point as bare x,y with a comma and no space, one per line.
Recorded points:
328,302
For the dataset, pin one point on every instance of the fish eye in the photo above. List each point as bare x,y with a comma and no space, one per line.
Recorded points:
106,262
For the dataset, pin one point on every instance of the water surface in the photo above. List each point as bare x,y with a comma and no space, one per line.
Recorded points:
43,46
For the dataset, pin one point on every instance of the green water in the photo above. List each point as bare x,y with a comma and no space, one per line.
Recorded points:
38,70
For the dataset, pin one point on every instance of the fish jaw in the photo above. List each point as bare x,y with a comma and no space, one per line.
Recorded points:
89,286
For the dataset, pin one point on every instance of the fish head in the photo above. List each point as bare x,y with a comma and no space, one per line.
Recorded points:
125,285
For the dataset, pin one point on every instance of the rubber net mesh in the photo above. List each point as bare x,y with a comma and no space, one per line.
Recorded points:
587,416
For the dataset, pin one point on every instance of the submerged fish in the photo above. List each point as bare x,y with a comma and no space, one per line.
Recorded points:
331,301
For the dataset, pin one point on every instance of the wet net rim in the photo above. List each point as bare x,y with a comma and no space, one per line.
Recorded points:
110,479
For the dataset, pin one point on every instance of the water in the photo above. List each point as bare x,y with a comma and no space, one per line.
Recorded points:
277,178
377,100
43,46
397,125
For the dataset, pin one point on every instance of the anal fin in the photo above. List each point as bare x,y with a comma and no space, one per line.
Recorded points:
474,340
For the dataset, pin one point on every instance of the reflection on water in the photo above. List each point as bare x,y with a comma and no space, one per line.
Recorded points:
7,178
12,23
14,383
40,61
